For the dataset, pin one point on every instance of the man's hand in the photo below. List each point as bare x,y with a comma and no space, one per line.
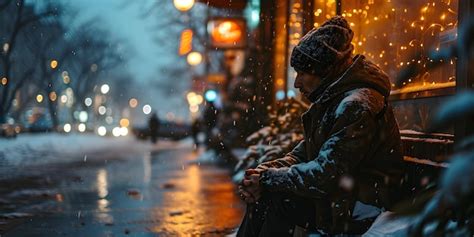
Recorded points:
250,189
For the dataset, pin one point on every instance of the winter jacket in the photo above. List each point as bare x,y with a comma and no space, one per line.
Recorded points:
351,153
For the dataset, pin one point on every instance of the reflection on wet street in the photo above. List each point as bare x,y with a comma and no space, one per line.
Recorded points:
154,193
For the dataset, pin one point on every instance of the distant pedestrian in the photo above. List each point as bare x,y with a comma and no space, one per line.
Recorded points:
195,128
210,120
154,126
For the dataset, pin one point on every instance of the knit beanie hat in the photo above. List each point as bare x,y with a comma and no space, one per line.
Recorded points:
323,47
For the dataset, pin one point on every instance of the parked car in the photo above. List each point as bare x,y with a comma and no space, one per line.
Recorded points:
40,122
7,130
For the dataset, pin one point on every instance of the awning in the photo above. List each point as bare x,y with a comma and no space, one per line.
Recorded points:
227,4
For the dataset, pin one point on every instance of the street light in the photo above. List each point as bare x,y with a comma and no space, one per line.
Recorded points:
39,98
133,102
63,99
83,116
146,109
53,96
67,127
210,95
81,127
102,131
104,89
116,132
88,101
124,122
183,5
194,58
102,110
54,64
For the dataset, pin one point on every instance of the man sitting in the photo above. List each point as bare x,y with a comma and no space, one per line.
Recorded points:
348,167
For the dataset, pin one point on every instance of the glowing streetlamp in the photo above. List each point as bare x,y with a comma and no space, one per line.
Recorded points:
210,95
83,116
53,96
124,122
146,109
183,5
88,101
81,127
116,132
102,131
133,102
104,89
39,98
123,131
67,127
194,58
102,110
53,64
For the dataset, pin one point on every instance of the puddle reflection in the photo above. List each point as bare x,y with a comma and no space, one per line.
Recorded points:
147,168
201,203
102,214
102,184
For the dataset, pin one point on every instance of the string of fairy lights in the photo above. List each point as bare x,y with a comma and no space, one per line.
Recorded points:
390,33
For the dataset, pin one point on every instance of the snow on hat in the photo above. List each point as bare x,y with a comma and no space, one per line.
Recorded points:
323,47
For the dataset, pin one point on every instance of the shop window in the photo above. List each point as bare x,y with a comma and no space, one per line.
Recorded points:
323,10
391,32
295,32
280,52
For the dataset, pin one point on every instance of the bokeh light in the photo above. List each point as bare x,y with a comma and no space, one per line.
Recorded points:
102,131
88,101
146,109
39,98
81,127
67,127
105,89
133,102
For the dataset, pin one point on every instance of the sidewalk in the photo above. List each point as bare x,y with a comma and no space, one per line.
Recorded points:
141,192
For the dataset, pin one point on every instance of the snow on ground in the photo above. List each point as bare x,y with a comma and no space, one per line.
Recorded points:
35,149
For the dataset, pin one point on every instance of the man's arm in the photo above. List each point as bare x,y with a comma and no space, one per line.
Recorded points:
297,155
348,143
250,188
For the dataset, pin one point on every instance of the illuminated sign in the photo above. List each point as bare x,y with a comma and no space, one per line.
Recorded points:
186,42
227,33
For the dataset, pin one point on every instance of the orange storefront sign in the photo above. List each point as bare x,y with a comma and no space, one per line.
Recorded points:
226,33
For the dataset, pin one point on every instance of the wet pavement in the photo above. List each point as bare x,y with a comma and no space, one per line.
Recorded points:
164,192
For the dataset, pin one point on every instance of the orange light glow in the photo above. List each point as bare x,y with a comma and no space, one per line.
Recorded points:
53,96
185,45
54,64
124,122
133,102
227,32
280,82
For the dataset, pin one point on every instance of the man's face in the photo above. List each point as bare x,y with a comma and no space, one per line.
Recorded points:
307,83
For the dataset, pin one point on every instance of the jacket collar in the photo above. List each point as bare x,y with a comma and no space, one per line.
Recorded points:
329,89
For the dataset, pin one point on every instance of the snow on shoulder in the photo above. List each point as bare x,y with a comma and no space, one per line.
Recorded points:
355,99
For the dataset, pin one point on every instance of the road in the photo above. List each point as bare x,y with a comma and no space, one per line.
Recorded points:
159,192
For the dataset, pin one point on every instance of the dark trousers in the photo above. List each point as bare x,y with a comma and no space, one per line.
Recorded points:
277,214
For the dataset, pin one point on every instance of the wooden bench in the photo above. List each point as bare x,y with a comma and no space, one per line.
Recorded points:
426,156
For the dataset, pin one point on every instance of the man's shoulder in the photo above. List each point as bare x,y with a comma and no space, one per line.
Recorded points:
360,100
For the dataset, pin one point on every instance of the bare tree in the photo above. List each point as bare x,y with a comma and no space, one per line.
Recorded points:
50,47
93,58
18,17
